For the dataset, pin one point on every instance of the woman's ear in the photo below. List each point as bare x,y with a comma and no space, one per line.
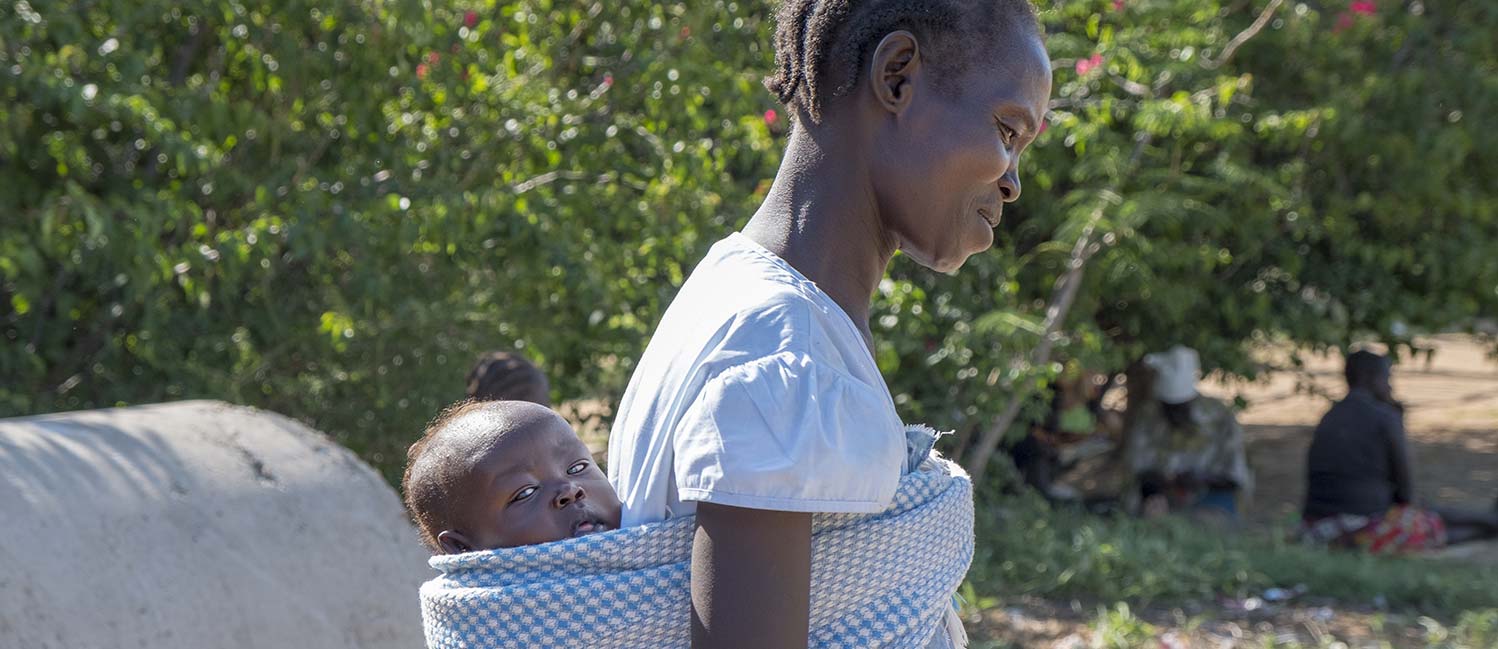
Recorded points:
453,542
893,70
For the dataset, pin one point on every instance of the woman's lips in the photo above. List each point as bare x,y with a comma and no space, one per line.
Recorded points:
991,217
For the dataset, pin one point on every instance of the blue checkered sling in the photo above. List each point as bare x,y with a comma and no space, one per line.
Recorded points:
878,580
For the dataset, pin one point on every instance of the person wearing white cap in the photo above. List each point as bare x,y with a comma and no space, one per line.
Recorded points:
1184,450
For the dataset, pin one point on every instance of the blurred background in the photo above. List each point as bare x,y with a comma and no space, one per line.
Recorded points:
331,208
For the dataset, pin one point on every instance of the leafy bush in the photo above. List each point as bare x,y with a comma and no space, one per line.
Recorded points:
330,208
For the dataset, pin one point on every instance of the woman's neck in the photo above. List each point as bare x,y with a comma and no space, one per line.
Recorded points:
821,217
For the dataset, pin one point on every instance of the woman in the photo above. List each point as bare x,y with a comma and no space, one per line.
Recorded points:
758,401
1359,487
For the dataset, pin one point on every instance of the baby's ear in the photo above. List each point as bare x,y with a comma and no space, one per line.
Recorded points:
453,542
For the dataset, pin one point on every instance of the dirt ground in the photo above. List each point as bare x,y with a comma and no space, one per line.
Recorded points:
1451,400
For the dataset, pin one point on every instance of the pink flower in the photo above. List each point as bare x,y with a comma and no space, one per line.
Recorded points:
771,117
1344,22
470,19
1089,64
1363,7
1044,124
421,71
433,57
1118,5
608,80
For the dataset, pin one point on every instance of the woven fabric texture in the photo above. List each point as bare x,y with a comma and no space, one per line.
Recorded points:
878,580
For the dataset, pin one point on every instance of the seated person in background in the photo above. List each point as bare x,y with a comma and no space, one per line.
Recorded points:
1184,451
1359,489
503,376
499,474
1077,427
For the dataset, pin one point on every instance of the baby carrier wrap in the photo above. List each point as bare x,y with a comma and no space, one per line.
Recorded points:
878,580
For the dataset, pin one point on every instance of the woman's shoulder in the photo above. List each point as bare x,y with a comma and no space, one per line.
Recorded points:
782,335
744,301
740,275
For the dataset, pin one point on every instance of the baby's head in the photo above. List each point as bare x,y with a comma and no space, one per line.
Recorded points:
501,474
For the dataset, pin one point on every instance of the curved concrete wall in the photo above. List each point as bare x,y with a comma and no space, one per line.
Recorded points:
198,524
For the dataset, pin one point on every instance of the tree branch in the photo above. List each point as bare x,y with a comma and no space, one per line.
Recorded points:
553,176
1244,36
1063,295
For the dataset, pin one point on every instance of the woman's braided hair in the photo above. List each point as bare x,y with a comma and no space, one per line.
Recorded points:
821,46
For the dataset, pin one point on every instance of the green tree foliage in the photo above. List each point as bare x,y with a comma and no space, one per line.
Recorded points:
330,208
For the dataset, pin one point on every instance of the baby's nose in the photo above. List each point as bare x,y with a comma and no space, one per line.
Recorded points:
568,494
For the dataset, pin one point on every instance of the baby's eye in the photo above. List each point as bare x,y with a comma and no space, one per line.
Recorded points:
577,468
523,494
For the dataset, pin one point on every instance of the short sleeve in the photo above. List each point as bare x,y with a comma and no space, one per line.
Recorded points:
785,433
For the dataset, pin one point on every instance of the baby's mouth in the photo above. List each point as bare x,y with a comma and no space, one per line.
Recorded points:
586,527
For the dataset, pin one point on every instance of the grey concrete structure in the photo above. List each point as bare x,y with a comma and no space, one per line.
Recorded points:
198,524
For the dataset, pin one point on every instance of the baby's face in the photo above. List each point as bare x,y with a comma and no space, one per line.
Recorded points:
535,484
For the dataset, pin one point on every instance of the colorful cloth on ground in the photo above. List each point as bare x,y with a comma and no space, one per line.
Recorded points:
878,580
1403,528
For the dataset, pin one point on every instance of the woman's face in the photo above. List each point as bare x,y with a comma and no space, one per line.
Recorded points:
948,164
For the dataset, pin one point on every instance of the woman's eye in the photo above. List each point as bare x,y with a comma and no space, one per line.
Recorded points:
523,494
577,468
1006,133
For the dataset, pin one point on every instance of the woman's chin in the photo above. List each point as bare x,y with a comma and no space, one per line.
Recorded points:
953,261
947,265
949,257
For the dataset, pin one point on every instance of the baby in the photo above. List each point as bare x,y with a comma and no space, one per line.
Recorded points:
501,474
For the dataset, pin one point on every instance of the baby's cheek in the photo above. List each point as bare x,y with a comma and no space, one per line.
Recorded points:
530,530
552,529
611,505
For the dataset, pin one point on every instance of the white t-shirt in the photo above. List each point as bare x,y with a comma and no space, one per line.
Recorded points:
756,391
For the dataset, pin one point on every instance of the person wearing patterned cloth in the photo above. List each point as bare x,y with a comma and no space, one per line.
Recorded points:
1359,485
1184,451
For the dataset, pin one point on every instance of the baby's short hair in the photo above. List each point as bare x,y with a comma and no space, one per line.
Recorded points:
430,481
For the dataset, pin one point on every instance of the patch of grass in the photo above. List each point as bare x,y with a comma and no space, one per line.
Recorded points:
1473,629
1119,628
1025,546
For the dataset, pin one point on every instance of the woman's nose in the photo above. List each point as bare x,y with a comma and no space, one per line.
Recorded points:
1009,186
568,494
